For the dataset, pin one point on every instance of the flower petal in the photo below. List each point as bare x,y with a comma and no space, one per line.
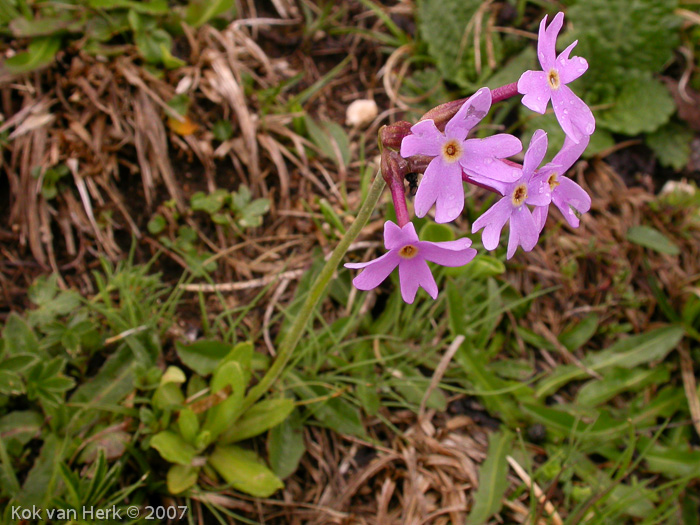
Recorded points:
480,157
493,221
498,146
472,111
374,271
533,84
412,274
539,214
547,40
570,68
574,116
425,139
535,153
429,187
450,199
448,253
395,237
566,157
538,193
523,231
487,183
567,195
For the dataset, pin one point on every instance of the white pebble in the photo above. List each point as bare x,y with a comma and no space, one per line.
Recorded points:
361,112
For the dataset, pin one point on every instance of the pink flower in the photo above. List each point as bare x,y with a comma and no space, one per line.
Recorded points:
566,194
410,255
442,182
574,116
513,206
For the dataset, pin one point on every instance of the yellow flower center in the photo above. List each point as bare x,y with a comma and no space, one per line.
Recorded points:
451,151
553,79
553,181
519,195
408,252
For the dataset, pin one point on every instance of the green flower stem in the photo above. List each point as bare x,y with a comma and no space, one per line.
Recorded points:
292,337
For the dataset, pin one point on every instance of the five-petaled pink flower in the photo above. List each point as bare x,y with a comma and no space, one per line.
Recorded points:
442,182
527,190
574,116
410,255
566,194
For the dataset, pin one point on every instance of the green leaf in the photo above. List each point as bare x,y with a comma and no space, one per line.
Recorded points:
222,130
625,353
40,53
202,356
412,386
188,424
640,34
153,44
366,389
109,386
330,138
180,478
285,445
199,12
493,479
443,25
19,337
487,384
578,335
484,266
251,214
618,380
331,412
564,420
181,105
512,70
434,232
41,481
173,448
244,471
45,26
220,417
519,369
671,144
169,395
111,445
11,383
21,426
672,462
652,239
260,417
157,224
152,7
640,90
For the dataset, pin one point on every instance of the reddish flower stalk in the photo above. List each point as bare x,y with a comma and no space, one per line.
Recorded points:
394,170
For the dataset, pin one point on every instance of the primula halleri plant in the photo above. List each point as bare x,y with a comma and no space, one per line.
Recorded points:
437,146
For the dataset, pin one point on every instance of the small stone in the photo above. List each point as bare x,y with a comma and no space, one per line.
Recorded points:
361,113
675,186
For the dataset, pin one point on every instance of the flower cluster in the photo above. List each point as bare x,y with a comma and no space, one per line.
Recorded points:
438,147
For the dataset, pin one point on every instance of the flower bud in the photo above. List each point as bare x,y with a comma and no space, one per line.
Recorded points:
444,112
394,167
392,135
